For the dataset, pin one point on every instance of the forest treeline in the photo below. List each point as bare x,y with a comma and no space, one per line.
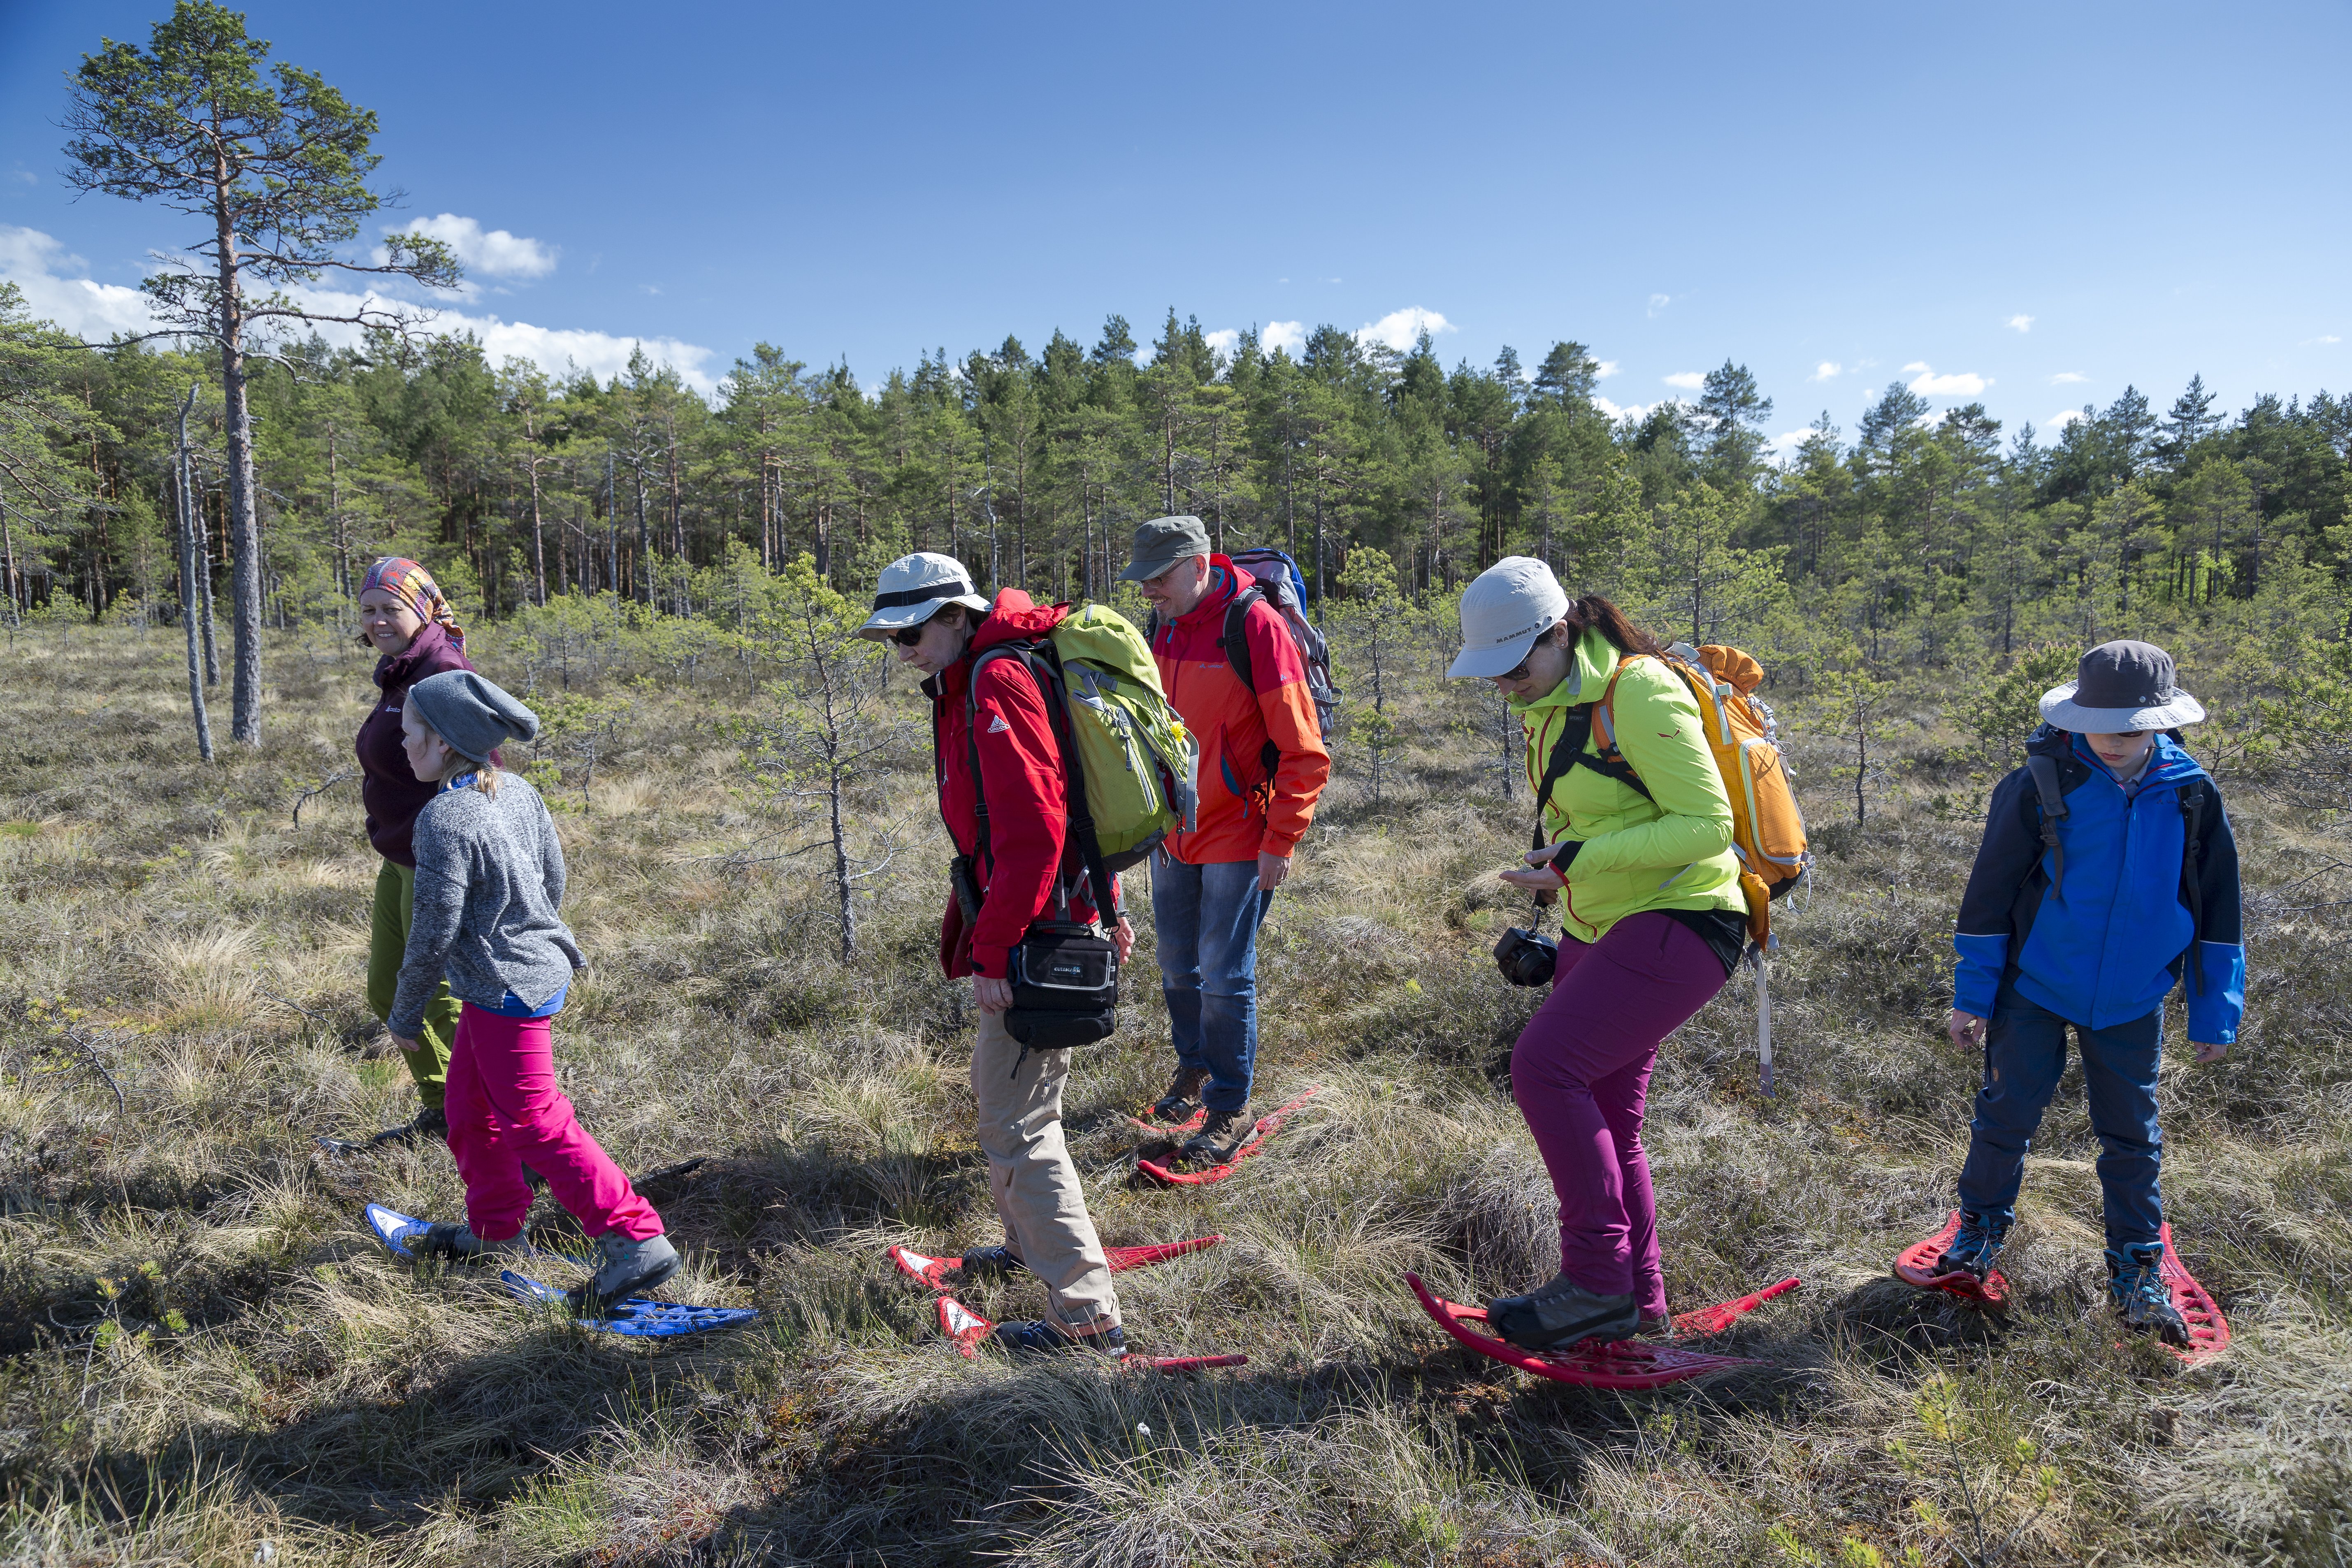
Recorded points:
1914,540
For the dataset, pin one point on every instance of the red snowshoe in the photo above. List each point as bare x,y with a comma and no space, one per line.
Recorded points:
968,1328
1175,1131
1265,1128
934,1271
2208,1332
1595,1364
1917,1266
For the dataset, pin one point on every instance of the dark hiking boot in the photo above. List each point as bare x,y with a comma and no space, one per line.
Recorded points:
451,1240
1655,1326
1183,1096
990,1262
2136,1290
1563,1313
430,1125
1219,1139
1975,1246
1044,1338
623,1267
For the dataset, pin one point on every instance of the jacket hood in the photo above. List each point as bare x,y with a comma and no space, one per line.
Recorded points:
402,669
1014,618
1595,656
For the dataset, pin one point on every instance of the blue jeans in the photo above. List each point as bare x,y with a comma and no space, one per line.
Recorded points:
1207,918
2025,1054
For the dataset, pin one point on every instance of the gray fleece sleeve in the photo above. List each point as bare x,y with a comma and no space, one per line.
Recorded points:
551,857
433,918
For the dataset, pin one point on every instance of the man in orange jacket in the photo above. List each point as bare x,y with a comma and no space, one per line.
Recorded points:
1262,766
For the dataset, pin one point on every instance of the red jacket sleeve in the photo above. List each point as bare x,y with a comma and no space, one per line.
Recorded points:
1021,779
1288,710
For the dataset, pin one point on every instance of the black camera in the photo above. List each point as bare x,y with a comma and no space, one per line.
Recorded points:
1527,957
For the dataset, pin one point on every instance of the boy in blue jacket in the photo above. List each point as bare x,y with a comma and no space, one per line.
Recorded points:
2107,873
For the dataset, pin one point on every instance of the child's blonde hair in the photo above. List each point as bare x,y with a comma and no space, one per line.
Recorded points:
485,774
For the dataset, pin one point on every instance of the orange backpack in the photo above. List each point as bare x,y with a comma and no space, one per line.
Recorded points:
1768,831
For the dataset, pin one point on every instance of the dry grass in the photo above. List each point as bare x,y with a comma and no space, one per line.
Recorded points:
205,1352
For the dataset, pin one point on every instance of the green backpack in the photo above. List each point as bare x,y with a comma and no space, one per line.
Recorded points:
1130,760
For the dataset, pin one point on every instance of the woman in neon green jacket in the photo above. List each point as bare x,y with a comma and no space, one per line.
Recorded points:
1637,847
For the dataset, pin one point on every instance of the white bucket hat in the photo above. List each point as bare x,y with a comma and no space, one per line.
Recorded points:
1510,604
2120,687
912,588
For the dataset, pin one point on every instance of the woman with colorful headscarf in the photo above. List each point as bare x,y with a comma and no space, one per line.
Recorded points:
406,618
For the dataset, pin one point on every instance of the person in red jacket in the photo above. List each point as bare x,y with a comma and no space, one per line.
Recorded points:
406,618
1262,765
925,604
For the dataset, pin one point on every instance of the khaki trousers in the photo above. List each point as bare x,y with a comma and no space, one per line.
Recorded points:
1030,1175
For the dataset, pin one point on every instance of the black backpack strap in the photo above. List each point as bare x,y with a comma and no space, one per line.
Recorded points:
1565,752
979,849
2192,889
1234,643
2054,811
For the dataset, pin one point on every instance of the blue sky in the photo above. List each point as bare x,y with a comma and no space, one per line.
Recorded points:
2031,206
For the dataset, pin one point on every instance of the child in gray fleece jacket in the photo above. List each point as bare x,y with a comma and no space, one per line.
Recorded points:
489,881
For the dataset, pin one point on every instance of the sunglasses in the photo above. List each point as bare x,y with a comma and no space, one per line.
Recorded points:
908,636
1519,670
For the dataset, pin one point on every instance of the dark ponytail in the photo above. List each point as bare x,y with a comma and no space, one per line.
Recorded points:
1593,612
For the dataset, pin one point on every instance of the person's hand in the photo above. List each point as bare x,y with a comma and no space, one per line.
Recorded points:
1965,1028
991,995
411,1046
2209,1051
1122,939
1271,870
1541,876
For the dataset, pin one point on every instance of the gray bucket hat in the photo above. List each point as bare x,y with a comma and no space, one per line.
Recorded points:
1163,542
912,588
1503,610
2120,687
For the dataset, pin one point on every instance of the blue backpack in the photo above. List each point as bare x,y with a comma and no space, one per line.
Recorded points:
1280,583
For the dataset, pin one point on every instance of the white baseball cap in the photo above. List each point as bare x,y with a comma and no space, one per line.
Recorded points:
912,588
1510,604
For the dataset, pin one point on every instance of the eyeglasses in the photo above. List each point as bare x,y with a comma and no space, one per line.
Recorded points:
1519,671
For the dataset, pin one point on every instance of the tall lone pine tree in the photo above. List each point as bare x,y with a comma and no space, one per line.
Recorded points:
279,168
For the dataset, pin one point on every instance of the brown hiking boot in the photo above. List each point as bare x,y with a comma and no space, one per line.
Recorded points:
1184,1098
1220,1137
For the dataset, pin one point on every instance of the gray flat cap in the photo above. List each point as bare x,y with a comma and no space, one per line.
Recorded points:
473,714
1163,542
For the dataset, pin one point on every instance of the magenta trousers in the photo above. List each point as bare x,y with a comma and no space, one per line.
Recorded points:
1580,1073
505,1113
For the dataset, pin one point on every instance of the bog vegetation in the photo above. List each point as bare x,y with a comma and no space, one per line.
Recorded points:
206,1358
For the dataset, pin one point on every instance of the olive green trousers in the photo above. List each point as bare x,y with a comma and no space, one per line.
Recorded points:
395,902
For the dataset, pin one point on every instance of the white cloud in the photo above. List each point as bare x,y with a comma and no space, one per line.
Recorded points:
2060,420
1606,369
33,260
2068,378
1915,365
1290,335
1659,302
493,253
2329,338
1222,339
1634,411
1398,329
1689,380
1964,384
2022,323
1828,370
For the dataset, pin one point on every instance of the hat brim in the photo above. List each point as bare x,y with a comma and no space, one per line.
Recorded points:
1144,571
1488,662
899,617
2061,711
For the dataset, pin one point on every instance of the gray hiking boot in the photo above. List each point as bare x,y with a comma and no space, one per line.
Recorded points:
1561,1314
624,1267
2137,1291
447,1238
1220,1137
990,1262
1183,1096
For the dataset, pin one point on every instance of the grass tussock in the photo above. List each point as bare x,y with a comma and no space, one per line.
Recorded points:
204,1357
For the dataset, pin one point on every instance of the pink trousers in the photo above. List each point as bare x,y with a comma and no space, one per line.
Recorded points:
505,1113
1580,1073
